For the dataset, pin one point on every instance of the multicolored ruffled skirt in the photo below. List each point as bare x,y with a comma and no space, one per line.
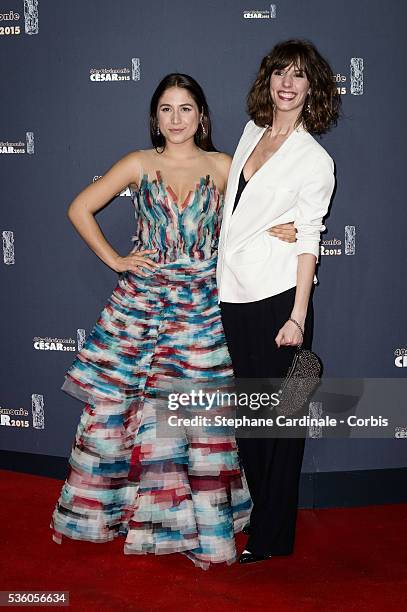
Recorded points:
164,493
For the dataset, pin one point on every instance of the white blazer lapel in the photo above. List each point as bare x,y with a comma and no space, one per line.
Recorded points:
244,149
263,172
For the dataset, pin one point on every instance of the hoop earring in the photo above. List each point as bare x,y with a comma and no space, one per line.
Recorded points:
203,127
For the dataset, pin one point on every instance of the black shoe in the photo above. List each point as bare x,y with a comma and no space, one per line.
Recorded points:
248,557
246,529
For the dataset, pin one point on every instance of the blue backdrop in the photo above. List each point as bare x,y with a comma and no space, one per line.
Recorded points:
76,82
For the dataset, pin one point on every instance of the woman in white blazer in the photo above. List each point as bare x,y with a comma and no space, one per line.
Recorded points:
279,174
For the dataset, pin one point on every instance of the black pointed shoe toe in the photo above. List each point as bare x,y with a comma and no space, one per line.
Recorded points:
248,557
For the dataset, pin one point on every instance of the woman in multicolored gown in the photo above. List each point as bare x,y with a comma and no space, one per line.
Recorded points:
162,322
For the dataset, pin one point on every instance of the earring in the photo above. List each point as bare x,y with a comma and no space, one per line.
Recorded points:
158,130
203,127
308,107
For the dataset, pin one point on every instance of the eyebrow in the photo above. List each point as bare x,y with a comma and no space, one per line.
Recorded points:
184,104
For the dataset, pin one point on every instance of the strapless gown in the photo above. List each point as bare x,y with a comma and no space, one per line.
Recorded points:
164,494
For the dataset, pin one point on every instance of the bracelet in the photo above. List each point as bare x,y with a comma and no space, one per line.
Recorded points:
298,325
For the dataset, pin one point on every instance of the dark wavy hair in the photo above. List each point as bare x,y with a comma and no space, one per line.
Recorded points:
324,99
175,79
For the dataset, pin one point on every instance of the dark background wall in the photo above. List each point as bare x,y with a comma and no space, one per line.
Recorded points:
52,285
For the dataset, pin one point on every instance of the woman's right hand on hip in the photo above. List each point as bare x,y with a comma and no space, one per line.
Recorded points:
136,261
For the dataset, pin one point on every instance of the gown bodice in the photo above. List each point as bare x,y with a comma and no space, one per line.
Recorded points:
190,232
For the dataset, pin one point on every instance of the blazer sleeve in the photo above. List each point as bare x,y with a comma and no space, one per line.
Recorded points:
312,205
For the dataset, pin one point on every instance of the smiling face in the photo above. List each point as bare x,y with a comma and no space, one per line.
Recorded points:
289,88
178,115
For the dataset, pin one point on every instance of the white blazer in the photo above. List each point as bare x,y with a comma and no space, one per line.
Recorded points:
295,184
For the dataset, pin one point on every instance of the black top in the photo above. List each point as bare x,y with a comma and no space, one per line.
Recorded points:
242,185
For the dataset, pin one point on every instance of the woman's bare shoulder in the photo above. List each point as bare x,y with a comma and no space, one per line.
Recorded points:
222,161
139,156
140,160
218,155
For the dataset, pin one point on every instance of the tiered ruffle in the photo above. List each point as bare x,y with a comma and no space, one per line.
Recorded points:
164,493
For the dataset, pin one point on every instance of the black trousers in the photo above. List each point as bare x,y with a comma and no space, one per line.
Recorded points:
272,466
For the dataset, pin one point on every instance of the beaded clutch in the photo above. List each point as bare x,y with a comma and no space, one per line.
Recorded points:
301,380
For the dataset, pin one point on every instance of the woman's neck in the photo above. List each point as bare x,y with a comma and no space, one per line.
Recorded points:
184,150
283,123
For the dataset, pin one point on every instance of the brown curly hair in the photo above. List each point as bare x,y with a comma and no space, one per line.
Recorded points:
324,99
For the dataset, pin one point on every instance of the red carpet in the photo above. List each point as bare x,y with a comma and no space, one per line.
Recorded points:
345,559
